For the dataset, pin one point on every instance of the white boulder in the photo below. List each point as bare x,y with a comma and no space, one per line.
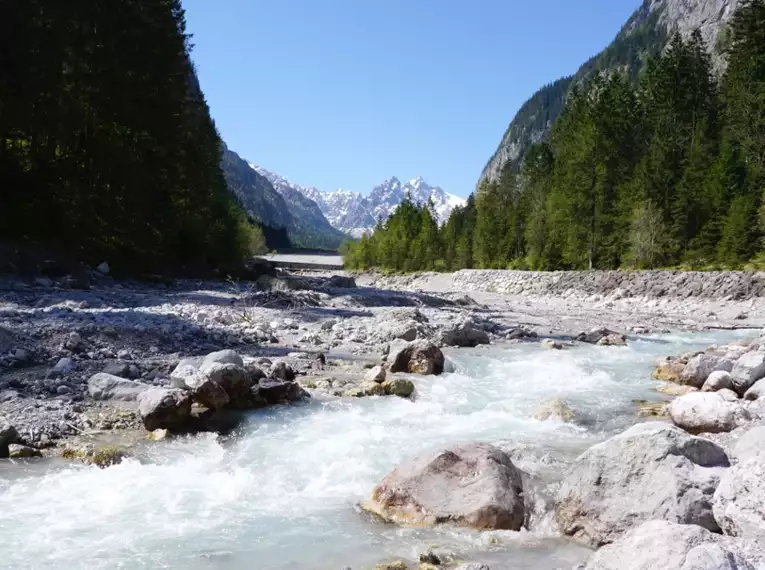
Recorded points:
651,471
749,368
706,412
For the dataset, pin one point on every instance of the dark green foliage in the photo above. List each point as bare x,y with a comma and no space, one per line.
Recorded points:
641,38
106,142
668,172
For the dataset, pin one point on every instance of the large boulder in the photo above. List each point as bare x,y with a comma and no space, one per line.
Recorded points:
271,391
164,408
668,369
342,282
223,357
464,334
651,471
225,384
718,380
418,357
400,324
400,387
756,392
701,366
706,412
474,485
739,501
749,368
8,436
666,545
594,336
103,386
750,444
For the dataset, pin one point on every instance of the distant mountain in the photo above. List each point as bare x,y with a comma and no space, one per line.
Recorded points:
278,207
355,214
645,34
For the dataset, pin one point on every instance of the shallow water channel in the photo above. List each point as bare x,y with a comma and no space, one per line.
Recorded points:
283,493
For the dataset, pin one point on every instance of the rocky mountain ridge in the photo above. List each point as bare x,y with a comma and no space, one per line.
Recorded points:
353,213
645,34
278,207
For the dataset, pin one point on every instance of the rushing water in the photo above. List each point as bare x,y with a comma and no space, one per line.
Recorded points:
283,493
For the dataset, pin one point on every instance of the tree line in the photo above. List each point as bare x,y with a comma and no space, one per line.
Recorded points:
667,170
107,147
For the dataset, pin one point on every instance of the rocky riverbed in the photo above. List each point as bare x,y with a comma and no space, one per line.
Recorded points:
299,374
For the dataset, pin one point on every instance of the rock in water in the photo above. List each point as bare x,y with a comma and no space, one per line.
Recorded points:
418,357
163,408
665,545
613,339
706,412
400,387
375,374
426,358
275,391
556,410
103,386
474,485
225,384
596,335
651,471
8,436
16,451
749,368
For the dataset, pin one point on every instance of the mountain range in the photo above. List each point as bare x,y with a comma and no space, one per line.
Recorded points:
645,34
319,219
355,214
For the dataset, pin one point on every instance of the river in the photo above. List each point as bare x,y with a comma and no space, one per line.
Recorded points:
282,493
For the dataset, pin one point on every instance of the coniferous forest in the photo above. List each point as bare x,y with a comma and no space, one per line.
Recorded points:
664,171
107,147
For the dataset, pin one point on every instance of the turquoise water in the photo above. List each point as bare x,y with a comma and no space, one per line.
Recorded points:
283,492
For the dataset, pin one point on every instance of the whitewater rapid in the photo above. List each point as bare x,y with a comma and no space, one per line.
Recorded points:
283,492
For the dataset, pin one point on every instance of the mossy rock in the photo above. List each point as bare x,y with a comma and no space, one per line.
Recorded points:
98,455
669,372
652,409
672,389
397,565
400,387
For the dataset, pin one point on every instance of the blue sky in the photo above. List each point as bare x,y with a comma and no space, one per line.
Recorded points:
347,93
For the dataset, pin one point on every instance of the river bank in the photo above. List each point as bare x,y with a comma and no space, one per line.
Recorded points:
314,461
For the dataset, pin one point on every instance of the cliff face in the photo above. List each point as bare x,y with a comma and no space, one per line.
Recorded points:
645,34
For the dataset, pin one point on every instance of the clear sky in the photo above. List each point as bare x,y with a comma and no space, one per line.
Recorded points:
347,93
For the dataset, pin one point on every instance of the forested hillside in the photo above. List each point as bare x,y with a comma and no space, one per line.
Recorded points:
107,148
669,171
644,36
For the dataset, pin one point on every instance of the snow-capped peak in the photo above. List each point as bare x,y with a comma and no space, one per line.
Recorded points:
353,213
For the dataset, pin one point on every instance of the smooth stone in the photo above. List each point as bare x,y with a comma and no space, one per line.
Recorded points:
104,386
474,485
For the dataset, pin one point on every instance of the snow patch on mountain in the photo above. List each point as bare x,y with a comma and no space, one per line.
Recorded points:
356,214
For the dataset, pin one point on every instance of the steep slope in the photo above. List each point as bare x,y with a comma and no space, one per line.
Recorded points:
278,208
645,34
353,213
306,213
